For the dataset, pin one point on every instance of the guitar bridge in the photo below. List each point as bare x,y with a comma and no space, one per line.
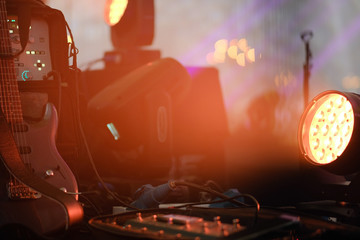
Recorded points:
18,191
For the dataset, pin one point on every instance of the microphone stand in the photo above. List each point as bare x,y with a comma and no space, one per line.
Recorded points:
305,37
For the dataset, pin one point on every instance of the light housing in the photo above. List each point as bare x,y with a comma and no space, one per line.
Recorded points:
131,122
328,132
136,26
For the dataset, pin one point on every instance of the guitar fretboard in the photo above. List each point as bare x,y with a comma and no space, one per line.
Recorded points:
9,93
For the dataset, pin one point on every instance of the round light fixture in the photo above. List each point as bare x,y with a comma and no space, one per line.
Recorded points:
328,133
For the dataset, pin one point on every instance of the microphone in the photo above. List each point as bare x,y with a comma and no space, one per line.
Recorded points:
306,35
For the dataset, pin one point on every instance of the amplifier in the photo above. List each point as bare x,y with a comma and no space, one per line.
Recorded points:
39,33
35,61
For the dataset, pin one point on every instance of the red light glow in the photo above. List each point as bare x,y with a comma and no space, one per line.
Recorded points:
114,10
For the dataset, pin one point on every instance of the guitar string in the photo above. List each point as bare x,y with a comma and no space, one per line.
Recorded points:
4,64
12,102
3,61
12,97
15,103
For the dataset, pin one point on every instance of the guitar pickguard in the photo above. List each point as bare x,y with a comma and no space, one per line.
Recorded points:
36,143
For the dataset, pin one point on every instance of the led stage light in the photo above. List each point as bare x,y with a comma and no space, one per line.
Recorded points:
329,134
132,22
114,10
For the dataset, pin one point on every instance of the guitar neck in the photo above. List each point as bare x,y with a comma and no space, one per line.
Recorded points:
9,93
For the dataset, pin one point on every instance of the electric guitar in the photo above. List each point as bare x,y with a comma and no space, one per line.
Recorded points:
34,178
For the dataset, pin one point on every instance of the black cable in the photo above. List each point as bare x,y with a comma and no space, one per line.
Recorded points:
218,194
91,160
210,202
57,77
220,201
211,182
98,212
91,63
74,53
73,50
230,199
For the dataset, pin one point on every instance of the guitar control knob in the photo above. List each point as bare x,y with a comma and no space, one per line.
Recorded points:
236,223
224,231
217,220
49,173
204,227
160,233
138,217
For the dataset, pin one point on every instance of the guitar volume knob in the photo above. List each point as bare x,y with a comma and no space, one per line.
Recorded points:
49,173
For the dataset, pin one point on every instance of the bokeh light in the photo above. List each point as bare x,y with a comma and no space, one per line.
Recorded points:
236,50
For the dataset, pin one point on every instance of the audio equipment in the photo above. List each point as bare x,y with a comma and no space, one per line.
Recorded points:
132,119
194,223
35,62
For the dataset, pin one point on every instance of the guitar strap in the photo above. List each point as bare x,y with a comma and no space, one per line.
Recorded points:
23,10
24,25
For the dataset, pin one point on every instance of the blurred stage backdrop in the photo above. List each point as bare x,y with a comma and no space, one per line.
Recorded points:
256,47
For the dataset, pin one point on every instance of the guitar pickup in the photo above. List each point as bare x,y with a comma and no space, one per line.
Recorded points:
24,149
18,191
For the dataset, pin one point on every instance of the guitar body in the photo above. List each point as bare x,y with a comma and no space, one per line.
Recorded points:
37,149
42,215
